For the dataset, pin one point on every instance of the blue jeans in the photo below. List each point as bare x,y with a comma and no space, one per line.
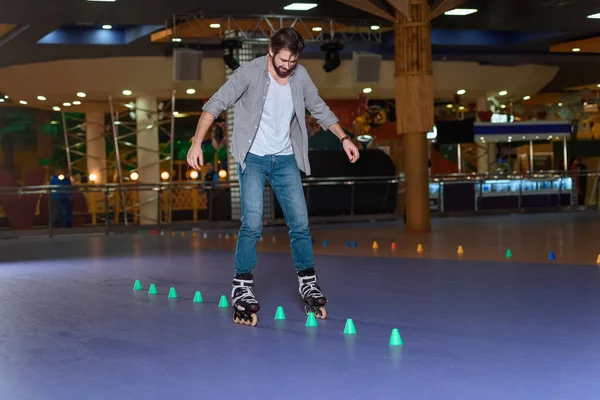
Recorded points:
284,177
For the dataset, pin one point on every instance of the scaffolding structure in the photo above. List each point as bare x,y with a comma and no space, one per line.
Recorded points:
198,28
127,120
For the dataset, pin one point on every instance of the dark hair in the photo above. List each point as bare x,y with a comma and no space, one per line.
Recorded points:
287,39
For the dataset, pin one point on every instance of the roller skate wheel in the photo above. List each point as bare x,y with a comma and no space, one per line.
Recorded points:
253,321
322,313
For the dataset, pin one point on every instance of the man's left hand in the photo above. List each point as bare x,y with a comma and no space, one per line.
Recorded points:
351,151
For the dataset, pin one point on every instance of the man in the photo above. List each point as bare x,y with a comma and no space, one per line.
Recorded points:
270,141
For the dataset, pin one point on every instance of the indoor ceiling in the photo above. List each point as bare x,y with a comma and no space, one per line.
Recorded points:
501,32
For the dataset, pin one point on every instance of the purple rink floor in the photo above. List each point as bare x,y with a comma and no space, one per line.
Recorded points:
73,328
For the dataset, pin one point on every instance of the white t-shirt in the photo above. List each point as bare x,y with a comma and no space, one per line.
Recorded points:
273,135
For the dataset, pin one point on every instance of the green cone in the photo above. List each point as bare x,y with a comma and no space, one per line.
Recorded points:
223,302
279,314
172,293
137,285
508,253
395,339
311,320
198,297
152,289
349,329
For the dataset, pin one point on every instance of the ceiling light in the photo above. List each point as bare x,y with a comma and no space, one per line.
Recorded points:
367,90
461,108
56,108
461,11
461,92
594,16
215,26
560,104
375,27
41,98
76,103
317,29
176,39
526,98
67,104
503,106
576,50
503,93
127,92
22,102
81,94
449,106
190,91
107,26
1,100
175,112
300,6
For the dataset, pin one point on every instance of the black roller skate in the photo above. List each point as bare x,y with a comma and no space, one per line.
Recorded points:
244,303
310,291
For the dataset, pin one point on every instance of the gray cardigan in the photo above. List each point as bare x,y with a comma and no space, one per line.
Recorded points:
247,88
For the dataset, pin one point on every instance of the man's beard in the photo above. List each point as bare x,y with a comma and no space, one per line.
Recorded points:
280,73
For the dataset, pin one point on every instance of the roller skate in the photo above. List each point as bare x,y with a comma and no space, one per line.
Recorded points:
313,298
244,303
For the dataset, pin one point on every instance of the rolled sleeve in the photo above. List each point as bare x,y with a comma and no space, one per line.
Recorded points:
316,106
227,94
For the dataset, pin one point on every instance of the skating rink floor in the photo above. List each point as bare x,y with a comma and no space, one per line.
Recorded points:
472,328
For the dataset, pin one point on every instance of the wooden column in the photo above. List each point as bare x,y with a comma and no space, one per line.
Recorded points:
414,93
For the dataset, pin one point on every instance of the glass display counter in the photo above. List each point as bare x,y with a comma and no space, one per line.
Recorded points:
500,194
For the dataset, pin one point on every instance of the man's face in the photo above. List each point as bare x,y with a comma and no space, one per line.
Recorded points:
284,62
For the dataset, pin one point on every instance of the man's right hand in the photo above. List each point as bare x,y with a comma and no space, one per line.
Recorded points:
195,158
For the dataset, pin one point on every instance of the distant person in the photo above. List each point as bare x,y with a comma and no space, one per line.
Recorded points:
61,203
270,141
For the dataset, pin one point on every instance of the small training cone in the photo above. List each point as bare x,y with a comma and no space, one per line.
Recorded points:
355,245
173,234
311,320
182,234
508,253
395,339
235,237
598,260
261,238
152,289
227,236
375,246
172,293
137,285
223,302
349,329
551,256
347,243
205,235
394,247
324,243
279,314
460,250
220,236
198,297
194,235
420,248
273,239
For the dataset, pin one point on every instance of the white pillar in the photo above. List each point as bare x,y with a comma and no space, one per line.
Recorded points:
95,142
147,156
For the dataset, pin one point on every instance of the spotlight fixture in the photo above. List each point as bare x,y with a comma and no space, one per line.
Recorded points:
229,59
461,92
365,141
332,55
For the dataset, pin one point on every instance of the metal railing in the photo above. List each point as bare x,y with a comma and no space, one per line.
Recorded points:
195,204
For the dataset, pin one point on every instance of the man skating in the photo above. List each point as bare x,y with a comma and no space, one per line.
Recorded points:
270,141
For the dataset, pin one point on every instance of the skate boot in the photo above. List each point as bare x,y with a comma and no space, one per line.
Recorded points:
314,300
244,303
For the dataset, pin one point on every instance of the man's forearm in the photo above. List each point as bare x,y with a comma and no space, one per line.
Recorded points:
337,130
204,123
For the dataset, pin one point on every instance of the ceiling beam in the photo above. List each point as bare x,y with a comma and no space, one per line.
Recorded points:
402,6
442,6
367,6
